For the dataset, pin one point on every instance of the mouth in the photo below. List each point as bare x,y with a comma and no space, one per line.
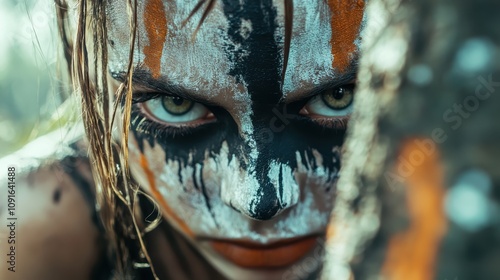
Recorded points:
264,256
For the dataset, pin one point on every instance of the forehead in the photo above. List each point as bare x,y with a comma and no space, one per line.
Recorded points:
239,42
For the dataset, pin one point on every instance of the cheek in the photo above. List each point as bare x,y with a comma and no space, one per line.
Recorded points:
160,180
190,195
317,170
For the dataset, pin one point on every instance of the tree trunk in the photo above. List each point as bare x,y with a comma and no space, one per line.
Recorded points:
418,195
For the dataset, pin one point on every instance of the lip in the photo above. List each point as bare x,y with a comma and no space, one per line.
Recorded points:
264,256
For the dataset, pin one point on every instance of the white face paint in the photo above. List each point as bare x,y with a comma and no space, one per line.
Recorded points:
227,183
302,219
308,64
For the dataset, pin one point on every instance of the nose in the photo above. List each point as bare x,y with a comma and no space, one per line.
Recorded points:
263,196
266,205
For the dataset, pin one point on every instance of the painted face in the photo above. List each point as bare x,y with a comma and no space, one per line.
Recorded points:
242,160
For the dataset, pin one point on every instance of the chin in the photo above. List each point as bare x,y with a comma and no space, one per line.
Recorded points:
270,262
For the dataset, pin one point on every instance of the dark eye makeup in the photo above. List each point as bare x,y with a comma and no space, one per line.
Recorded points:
172,116
144,122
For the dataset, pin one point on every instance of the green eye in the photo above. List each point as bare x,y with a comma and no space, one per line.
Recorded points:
338,98
176,105
176,110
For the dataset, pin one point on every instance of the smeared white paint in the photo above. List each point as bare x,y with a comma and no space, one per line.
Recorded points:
226,181
246,28
310,215
249,185
204,59
239,188
320,171
318,157
308,63
197,63
291,191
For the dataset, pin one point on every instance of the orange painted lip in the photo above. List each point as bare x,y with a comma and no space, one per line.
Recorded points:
255,255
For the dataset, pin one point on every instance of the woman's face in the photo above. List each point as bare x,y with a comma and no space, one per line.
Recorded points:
242,161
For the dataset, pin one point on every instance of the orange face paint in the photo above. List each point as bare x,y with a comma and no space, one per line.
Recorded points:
155,22
157,195
345,23
412,254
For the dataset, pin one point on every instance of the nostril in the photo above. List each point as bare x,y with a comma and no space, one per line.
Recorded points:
265,209
265,214
234,208
262,197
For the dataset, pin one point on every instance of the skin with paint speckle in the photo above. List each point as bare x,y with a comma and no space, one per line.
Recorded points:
240,159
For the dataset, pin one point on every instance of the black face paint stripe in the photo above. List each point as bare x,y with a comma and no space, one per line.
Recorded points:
280,182
205,195
257,64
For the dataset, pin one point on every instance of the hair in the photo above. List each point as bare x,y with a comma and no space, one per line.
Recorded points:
117,195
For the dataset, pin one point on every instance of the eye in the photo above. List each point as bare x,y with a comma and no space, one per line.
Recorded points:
335,102
176,110
176,105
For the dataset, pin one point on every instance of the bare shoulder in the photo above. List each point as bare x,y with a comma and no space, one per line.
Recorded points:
49,227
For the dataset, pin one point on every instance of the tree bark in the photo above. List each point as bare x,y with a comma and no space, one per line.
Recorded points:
418,195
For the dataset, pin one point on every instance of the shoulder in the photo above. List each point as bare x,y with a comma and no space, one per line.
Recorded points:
48,208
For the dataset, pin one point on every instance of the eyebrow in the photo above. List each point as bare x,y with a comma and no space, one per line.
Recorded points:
142,78
341,79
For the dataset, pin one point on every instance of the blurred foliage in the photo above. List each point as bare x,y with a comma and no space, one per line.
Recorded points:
30,83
